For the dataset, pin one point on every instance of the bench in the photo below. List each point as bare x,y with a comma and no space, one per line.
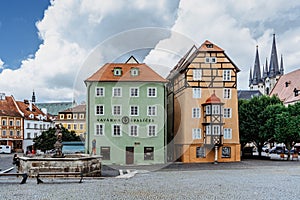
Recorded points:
55,174
24,176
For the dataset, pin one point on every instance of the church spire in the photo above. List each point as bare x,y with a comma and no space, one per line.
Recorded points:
33,97
273,67
281,66
250,78
256,71
265,69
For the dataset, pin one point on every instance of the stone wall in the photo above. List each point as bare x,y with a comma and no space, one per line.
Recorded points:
89,165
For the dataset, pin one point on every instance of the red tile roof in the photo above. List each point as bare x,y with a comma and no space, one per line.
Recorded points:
213,99
146,74
24,106
208,46
284,88
8,107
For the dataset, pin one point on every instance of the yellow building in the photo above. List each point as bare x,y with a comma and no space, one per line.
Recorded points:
73,119
203,107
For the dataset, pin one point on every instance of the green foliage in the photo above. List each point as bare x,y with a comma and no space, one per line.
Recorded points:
48,138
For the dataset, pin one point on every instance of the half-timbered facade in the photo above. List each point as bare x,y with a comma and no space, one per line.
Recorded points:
203,106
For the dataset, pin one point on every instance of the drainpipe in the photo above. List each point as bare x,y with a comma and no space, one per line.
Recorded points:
88,118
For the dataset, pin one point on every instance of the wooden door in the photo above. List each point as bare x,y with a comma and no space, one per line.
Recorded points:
129,155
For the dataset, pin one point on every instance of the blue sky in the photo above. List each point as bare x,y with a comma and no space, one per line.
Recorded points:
18,33
51,47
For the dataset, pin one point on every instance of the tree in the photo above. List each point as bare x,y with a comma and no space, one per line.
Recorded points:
48,138
251,120
287,130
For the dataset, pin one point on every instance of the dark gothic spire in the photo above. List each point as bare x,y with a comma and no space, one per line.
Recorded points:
274,68
33,97
265,69
281,66
250,78
256,71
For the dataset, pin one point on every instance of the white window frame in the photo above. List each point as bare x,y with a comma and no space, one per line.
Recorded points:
99,129
134,71
137,110
99,91
150,93
196,112
133,130
227,112
75,115
215,109
208,109
196,93
113,110
152,110
216,130
208,130
227,75
137,92
227,133
113,130
18,123
116,93
227,93
96,109
196,133
210,60
149,130
197,74
117,71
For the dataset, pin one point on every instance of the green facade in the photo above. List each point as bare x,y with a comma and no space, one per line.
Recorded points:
146,149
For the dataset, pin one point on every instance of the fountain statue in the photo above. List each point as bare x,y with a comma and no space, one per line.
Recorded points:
58,144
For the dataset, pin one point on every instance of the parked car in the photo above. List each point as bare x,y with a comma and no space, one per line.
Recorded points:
279,150
5,149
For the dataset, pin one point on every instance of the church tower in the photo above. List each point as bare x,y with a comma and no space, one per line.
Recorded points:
270,75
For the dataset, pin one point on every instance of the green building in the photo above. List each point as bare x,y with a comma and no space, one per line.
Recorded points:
126,120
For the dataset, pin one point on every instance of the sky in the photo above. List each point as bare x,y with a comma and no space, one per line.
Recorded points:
52,46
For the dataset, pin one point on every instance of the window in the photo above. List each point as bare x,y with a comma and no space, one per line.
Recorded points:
226,152
134,110
148,153
105,152
100,91
208,130
227,133
208,109
133,130
35,126
197,74
69,126
215,109
227,93
35,135
75,126
116,110
216,130
75,116
99,109
200,152
11,133
134,92
4,122
18,123
61,116
116,130
69,116
227,112
151,130
81,116
226,75
210,60
11,122
28,135
196,113
134,71
196,93
117,71
151,92
3,132
99,129
81,126
151,110
117,92
18,133
196,133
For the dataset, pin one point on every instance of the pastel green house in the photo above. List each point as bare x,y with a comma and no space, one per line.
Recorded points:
126,117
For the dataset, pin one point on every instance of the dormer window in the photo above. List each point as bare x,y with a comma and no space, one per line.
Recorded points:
117,71
31,116
296,92
209,45
134,71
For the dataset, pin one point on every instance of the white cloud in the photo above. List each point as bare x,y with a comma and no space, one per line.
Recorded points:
1,64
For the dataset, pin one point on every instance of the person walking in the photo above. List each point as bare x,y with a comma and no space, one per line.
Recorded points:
16,161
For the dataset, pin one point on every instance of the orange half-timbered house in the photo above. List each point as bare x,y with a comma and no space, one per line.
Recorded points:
203,107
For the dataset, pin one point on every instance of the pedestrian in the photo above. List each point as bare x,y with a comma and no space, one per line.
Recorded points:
16,161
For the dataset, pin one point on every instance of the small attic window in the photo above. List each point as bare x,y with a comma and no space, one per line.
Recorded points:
117,71
296,92
209,45
134,71
287,84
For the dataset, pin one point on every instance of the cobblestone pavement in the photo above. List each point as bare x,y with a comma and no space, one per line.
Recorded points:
249,179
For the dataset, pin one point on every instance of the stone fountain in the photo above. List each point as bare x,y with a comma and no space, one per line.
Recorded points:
89,165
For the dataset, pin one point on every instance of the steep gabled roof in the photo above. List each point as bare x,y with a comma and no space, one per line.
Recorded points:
8,107
105,73
285,86
29,109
